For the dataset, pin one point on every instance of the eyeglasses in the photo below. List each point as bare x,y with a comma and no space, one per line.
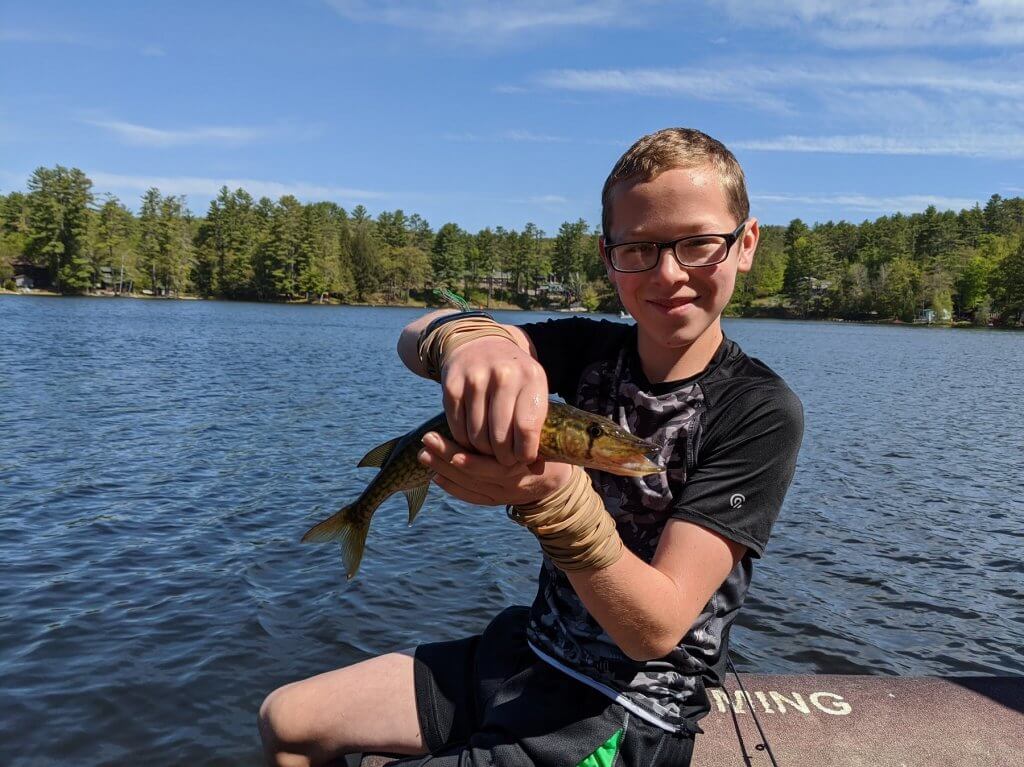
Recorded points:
696,250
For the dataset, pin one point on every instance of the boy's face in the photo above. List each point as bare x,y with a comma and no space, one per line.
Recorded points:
676,306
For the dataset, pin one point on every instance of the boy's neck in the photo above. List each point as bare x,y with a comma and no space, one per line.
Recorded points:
673,363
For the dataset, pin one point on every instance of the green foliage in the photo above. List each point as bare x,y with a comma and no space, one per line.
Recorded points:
58,223
766,276
165,243
1007,284
571,252
112,239
448,257
969,262
899,283
366,254
811,268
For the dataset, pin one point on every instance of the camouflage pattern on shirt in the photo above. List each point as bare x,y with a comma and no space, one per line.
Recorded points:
670,689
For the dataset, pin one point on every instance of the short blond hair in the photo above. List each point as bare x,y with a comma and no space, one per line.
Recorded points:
670,148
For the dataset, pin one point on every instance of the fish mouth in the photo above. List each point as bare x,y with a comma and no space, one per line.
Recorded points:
637,460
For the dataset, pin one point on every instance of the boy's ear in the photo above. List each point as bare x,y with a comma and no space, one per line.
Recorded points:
604,259
748,245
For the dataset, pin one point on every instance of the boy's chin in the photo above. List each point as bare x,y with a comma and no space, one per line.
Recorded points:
680,333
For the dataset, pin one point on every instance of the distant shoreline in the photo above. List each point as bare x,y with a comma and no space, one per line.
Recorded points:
504,307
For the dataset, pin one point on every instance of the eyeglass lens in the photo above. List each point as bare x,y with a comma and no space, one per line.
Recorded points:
638,256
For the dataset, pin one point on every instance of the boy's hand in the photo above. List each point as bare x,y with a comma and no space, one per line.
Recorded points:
496,399
481,480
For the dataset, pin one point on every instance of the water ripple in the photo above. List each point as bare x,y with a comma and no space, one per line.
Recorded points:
154,486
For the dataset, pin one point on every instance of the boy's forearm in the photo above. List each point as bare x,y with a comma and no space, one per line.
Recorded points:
407,341
639,606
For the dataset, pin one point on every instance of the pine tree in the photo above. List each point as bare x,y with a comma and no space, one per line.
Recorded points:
114,232
448,256
58,225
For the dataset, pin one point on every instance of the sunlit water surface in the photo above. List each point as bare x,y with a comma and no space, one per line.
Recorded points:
160,460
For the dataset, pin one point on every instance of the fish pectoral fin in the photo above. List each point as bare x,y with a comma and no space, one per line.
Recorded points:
415,496
379,454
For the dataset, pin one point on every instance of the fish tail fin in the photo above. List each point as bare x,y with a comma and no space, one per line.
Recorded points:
347,527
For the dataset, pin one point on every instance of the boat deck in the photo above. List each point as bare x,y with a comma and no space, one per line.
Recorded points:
860,721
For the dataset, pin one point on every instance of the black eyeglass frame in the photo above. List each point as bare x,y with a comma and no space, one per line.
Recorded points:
730,240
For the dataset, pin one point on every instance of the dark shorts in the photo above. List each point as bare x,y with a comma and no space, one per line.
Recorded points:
489,700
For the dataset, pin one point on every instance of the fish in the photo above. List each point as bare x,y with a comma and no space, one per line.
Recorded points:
568,435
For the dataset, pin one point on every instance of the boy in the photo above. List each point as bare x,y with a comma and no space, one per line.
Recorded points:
642,577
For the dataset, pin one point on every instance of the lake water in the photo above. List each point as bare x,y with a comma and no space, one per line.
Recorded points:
159,462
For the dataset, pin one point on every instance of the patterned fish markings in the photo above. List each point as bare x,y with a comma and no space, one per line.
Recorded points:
568,435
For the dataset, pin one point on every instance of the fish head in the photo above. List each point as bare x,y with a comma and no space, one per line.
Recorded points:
585,439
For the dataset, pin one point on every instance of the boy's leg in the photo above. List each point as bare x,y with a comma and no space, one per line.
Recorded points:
369,706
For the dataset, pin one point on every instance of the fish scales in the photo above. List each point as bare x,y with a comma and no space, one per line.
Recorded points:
568,435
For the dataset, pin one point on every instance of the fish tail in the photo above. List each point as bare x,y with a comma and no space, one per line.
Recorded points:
350,529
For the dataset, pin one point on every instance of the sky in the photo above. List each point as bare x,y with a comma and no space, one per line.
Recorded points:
502,113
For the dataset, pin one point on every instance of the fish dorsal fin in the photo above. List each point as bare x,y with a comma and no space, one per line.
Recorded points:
415,497
379,454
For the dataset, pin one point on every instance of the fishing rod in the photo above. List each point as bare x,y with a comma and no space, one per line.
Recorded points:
764,738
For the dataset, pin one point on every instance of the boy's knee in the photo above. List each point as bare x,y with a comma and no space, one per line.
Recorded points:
281,723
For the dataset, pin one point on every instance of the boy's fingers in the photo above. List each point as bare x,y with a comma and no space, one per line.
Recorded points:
463,494
477,430
453,410
453,461
531,410
502,439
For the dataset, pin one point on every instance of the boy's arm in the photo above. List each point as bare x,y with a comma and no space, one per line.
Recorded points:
647,609
495,393
749,456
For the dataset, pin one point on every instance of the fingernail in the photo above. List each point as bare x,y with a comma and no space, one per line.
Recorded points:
421,456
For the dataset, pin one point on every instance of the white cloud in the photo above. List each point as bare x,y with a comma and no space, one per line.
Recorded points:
225,135
709,84
530,137
210,187
740,83
487,21
143,135
889,23
963,145
884,105
12,35
868,203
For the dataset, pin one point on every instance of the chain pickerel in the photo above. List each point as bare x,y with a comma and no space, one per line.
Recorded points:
568,435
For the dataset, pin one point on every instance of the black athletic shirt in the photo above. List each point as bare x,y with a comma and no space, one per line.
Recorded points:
730,437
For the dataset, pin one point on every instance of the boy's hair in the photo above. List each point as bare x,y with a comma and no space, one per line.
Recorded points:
669,148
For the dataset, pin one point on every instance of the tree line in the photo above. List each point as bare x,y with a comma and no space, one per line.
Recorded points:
966,265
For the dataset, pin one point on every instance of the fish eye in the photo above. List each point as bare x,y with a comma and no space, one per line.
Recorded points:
595,430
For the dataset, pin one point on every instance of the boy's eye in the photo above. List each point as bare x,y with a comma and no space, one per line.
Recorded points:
703,242
637,248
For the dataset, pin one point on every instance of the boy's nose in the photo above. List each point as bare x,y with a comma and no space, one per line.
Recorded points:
668,268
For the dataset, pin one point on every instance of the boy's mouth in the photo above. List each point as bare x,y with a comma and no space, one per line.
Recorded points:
669,304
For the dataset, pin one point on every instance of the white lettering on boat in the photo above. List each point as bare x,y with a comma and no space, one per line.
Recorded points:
826,702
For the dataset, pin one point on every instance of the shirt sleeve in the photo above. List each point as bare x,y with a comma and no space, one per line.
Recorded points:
744,467
566,346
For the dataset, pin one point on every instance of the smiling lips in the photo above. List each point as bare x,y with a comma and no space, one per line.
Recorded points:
668,304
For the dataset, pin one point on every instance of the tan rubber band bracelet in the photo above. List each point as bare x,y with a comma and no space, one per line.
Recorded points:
438,344
572,525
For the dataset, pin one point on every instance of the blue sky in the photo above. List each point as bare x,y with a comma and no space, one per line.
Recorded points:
500,113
